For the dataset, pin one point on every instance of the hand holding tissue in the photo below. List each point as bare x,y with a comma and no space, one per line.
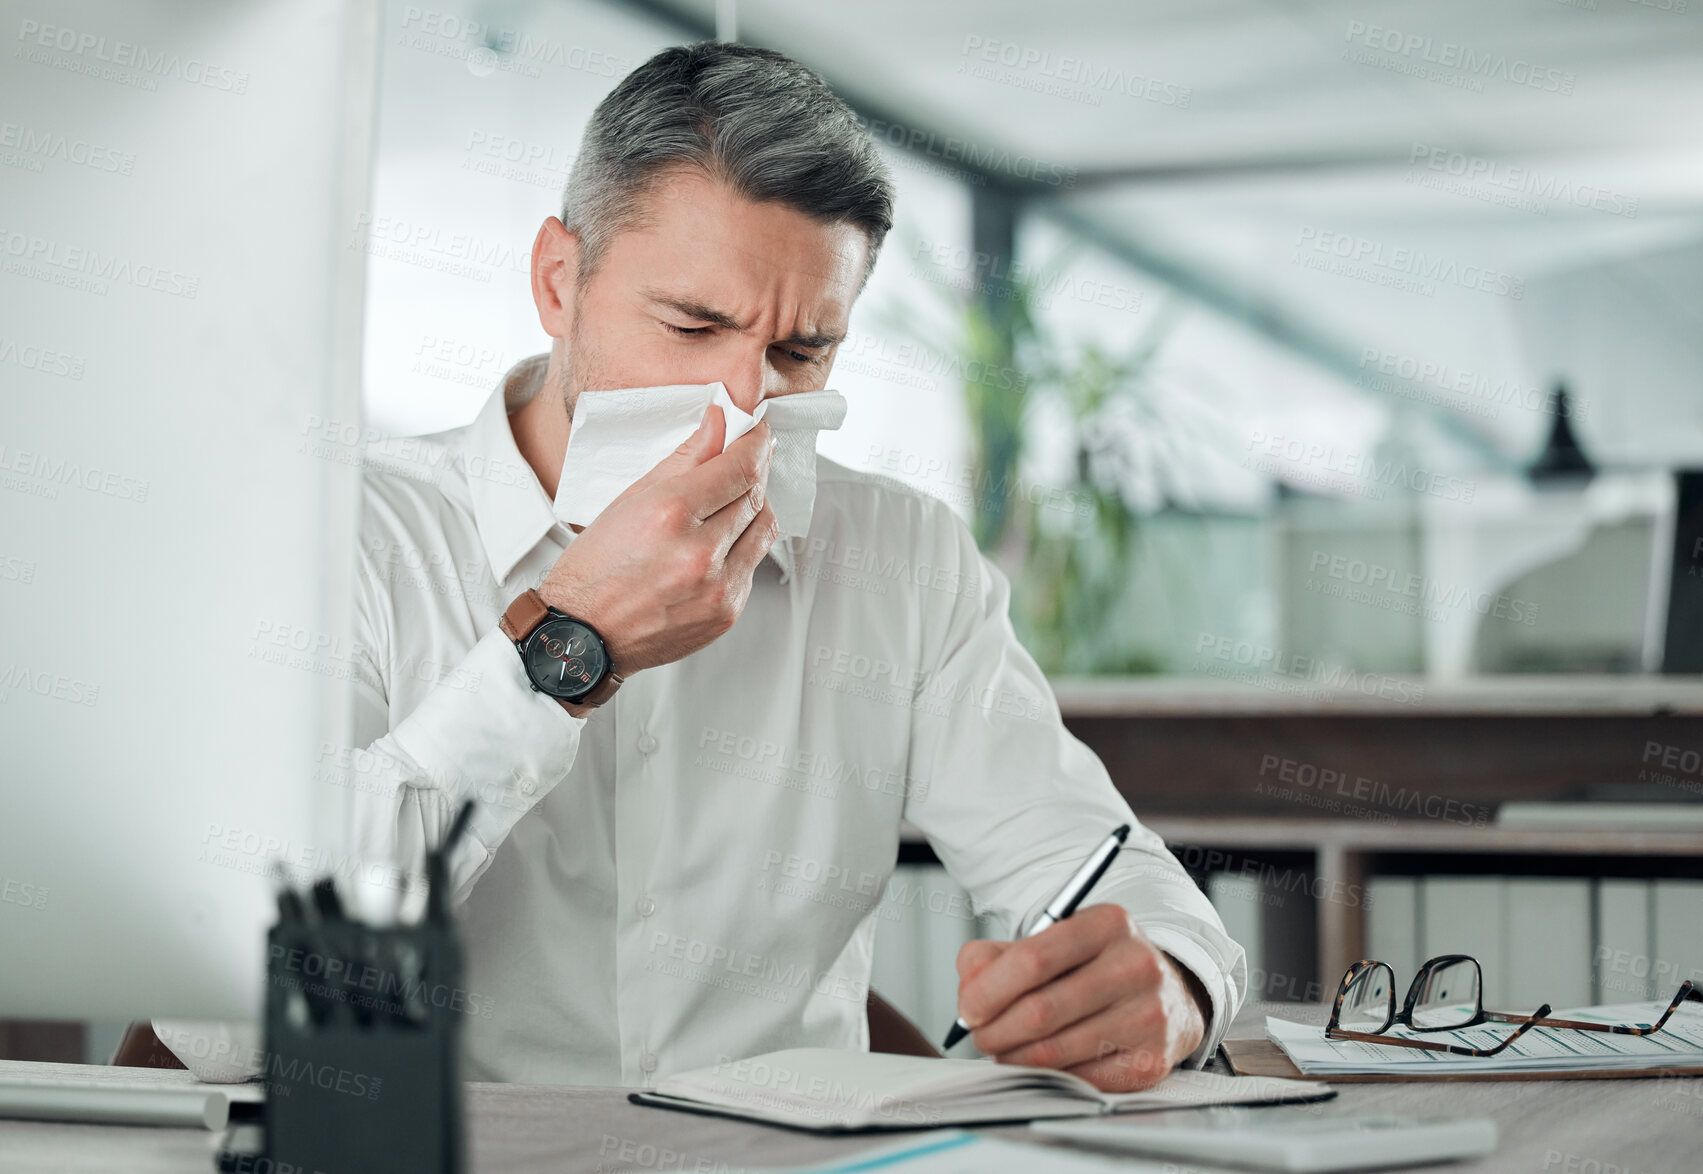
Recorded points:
619,436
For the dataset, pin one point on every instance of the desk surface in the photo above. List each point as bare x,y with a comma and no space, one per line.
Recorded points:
1558,1127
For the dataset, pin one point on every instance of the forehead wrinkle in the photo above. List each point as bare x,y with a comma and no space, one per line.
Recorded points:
824,265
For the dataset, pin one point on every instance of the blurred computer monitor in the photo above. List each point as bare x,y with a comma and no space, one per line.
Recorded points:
180,317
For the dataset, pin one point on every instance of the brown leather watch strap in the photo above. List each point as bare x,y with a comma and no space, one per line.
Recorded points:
526,612
602,691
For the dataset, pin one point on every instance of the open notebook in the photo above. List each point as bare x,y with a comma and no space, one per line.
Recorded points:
830,1089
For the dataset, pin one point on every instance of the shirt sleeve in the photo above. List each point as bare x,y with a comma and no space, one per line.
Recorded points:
502,745
1015,801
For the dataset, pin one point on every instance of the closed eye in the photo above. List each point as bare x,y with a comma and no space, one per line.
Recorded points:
803,357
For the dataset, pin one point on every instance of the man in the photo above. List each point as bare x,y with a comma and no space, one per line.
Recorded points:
690,868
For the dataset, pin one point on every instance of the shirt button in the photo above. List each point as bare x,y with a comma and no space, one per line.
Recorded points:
646,906
647,1062
648,744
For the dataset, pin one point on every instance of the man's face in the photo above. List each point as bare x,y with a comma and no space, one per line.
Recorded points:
711,287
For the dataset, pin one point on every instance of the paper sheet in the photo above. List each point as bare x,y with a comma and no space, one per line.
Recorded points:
1679,1044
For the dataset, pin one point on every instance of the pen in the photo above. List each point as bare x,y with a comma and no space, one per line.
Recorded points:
1063,905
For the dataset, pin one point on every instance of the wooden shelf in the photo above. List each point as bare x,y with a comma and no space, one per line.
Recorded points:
1343,855
1512,695
1332,785
1421,836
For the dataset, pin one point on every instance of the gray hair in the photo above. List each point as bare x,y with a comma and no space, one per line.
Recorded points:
753,119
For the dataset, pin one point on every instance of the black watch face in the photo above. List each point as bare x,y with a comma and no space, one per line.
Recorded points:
564,658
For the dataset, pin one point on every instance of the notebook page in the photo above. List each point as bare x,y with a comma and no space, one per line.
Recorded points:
834,1086
1187,1088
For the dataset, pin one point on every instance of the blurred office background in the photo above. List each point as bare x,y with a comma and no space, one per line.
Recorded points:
1322,374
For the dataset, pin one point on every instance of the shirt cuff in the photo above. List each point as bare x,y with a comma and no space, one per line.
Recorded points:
492,738
1220,990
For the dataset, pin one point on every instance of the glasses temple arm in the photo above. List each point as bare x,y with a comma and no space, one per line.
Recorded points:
1687,991
1525,1025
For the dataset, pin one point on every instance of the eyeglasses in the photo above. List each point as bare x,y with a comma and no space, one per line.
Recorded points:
1448,994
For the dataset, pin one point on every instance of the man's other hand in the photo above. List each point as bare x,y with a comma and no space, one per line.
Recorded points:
1090,995
667,567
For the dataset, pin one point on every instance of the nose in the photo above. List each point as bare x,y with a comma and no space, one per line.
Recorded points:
746,377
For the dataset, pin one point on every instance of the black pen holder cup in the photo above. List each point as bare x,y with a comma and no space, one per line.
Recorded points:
363,1051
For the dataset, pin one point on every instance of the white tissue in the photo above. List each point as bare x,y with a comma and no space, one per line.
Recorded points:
619,436
214,1051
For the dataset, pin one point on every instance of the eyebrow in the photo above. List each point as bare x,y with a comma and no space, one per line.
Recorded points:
817,340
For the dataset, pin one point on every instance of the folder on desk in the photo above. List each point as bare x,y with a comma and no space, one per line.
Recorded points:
1545,1053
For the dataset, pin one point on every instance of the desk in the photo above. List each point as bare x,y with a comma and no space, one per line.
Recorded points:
1548,1127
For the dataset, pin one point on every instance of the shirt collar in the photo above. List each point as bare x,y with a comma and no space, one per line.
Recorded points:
510,507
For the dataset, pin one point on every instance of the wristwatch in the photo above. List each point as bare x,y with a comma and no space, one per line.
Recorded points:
564,658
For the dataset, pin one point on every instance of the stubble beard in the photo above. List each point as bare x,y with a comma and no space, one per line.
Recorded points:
581,368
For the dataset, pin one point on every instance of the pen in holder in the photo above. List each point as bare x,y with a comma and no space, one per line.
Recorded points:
363,1037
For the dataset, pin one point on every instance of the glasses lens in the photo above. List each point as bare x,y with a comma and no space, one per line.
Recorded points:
1448,994
1368,1002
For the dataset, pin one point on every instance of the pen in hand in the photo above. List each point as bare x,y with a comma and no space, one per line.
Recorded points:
1062,906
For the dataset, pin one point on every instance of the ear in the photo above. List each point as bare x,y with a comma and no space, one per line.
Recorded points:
555,269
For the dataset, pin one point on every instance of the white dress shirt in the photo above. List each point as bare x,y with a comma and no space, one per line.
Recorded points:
693,871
